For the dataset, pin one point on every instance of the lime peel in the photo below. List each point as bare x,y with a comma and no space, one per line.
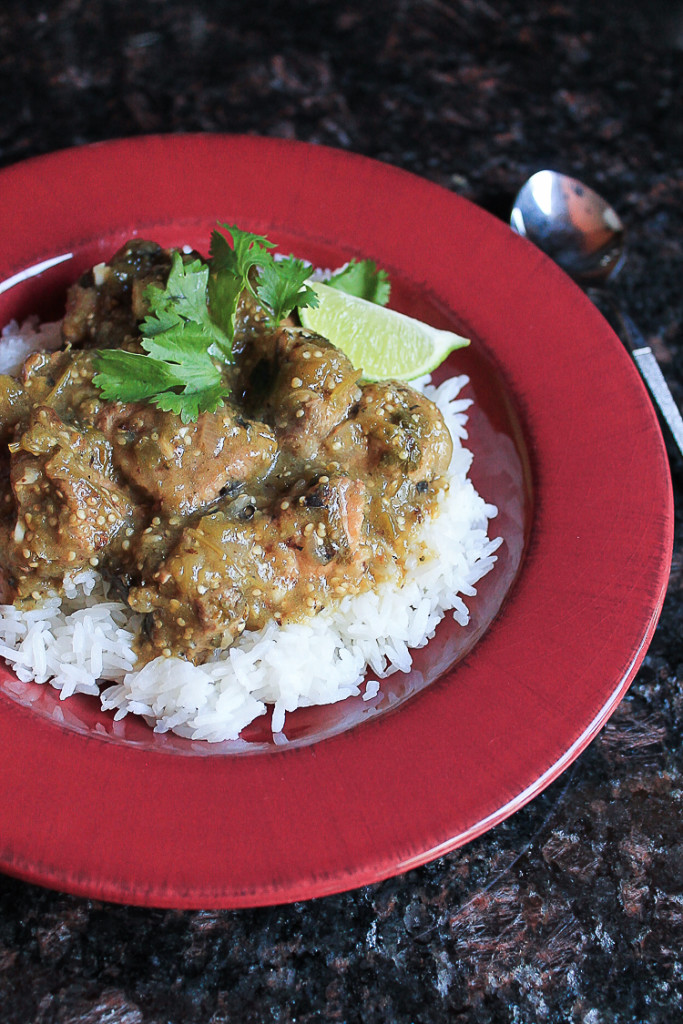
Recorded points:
381,342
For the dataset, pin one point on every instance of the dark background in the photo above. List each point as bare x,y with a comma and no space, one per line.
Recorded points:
572,910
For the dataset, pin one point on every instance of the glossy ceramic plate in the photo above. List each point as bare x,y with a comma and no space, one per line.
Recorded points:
565,443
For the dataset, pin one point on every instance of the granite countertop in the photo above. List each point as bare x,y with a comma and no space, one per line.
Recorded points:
572,910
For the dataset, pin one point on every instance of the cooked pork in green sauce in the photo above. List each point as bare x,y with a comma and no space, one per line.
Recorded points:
306,485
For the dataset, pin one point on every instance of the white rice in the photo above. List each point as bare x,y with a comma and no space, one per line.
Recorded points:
17,343
78,643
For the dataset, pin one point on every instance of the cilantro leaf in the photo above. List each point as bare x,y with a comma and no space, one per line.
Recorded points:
184,301
230,271
362,279
225,286
191,384
188,404
248,250
130,376
281,286
186,353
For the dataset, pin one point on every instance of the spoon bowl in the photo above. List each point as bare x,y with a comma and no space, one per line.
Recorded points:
572,224
583,234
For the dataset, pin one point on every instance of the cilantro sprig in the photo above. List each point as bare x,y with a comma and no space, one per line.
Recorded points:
184,346
363,279
188,333
277,285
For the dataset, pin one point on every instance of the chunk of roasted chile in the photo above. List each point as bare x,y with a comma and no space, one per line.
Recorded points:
107,303
68,503
185,467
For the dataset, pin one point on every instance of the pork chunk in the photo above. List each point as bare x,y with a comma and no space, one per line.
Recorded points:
184,468
69,505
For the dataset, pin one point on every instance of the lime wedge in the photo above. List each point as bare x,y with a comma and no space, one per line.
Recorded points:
379,341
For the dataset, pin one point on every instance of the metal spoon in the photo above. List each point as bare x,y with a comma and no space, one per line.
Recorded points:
583,234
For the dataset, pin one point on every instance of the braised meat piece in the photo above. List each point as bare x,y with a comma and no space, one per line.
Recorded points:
191,603
69,506
395,430
15,405
314,386
184,467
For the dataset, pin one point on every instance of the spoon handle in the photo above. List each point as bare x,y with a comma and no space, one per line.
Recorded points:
651,373
659,389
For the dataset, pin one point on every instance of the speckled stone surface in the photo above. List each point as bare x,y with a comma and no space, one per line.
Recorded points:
572,910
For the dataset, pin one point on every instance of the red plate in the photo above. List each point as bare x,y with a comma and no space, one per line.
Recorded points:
565,442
